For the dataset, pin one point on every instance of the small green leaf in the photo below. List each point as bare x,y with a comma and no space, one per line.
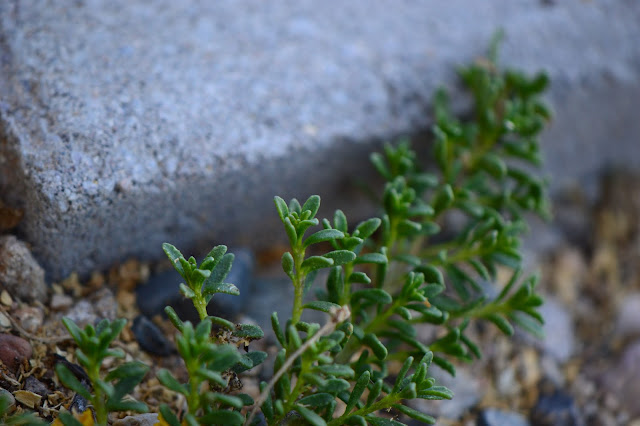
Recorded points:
68,420
288,264
341,257
374,392
376,295
382,421
317,400
281,207
74,330
334,386
436,392
377,258
212,376
250,360
229,400
340,221
312,204
170,382
275,324
211,288
221,417
378,162
216,254
187,292
494,165
358,390
501,323
69,380
291,232
379,350
173,317
316,262
168,415
365,229
401,374
248,331
336,370
415,414
174,256
319,305
323,235
310,416
359,277
221,270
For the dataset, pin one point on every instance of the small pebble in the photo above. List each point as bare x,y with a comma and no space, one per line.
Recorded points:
150,337
5,298
559,340
623,379
493,417
60,302
82,313
30,318
556,409
628,322
148,419
13,351
20,274
5,322
34,385
105,304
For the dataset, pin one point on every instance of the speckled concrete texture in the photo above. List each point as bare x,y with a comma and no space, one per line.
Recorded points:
127,123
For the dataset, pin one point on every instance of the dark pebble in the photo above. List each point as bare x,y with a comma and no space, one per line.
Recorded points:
14,351
493,417
36,386
150,337
163,290
556,409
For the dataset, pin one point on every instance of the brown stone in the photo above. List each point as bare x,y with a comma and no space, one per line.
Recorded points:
13,351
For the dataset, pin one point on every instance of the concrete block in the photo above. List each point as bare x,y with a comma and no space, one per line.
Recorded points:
124,124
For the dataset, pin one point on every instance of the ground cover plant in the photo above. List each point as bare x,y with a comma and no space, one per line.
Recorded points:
431,257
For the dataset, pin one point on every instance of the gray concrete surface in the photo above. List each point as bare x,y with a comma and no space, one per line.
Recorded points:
124,124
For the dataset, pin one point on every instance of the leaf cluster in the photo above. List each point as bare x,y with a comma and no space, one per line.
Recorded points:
431,259
108,393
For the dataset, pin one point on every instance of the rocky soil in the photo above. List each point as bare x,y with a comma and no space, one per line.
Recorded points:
585,371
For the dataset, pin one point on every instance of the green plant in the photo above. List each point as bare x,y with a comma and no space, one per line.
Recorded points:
211,360
430,260
103,395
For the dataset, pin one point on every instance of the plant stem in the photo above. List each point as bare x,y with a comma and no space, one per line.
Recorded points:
98,401
385,402
298,284
337,316
200,305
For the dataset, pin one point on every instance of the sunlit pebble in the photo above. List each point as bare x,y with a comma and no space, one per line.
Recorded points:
5,298
30,317
5,322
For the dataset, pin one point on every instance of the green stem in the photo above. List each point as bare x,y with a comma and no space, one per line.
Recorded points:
384,403
345,297
201,306
193,400
298,284
99,400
